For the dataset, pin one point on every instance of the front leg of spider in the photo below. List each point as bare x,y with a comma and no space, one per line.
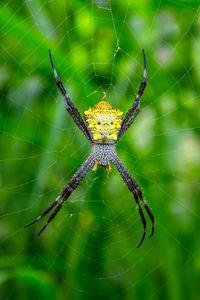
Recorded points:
135,109
72,110
104,128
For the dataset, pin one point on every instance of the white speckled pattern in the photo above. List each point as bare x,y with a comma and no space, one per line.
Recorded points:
104,153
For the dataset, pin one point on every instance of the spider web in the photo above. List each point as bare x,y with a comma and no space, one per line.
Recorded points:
89,250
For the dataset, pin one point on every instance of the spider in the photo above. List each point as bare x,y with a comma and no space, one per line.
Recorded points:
103,127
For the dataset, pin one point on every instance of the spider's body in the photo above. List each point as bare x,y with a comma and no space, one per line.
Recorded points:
104,154
103,123
104,127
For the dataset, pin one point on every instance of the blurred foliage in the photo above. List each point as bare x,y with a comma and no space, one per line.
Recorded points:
89,250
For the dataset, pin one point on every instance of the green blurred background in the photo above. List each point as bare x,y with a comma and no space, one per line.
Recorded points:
89,250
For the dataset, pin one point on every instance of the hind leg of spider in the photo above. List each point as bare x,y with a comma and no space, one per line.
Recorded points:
142,218
136,186
69,188
53,214
135,190
54,203
116,161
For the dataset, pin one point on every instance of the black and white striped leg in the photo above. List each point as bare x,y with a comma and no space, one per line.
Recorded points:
54,203
135,190
69,188
69,105
130,116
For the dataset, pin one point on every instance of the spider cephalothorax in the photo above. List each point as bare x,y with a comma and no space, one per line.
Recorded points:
103,122
104,127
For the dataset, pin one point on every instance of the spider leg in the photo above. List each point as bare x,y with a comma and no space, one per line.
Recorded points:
130,117
145,205
135,190
46,211
69,105
69,188
139,192
53,214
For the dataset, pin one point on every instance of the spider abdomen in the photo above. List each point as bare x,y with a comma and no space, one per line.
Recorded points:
103,122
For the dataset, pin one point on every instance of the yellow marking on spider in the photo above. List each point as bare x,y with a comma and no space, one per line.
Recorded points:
103,122
103,105
95,166
109,168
